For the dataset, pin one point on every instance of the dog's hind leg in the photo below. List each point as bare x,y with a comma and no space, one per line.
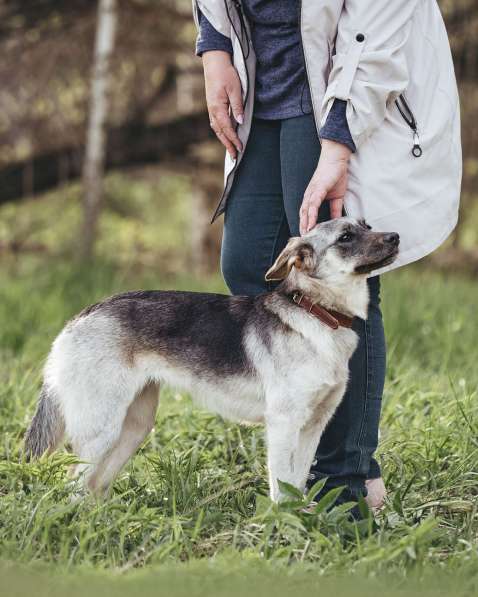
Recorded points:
94,414
92,448
137,424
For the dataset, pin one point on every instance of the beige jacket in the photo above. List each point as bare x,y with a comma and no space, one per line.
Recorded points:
375,54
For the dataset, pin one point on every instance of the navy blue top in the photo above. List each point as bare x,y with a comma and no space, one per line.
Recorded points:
281,87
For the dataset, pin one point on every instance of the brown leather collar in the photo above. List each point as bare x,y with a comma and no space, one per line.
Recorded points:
333,319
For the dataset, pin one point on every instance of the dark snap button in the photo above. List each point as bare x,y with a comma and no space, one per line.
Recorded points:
360,37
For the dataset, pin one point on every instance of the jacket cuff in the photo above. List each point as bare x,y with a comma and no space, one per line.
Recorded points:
368,79
336,127
209,39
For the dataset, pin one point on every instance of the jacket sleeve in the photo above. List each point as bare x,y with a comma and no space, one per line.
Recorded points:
336,127
210,39
369,68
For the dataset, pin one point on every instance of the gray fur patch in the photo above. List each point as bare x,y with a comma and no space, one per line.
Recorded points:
201,331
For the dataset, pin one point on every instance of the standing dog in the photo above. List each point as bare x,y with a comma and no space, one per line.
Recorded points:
280,358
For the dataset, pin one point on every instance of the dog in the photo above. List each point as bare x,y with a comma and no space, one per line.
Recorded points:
279,358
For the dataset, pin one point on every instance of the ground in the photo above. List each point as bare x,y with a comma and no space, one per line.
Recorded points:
190,500
189,515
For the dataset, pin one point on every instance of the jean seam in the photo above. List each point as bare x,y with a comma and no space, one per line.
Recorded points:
368,359
274,246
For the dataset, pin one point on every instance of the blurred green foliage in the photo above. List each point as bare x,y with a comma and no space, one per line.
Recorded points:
145,221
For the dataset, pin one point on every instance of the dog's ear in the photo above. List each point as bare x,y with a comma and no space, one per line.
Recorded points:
298,254
364,224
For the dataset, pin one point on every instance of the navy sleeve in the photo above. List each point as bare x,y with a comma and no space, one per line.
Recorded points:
336,127
210,39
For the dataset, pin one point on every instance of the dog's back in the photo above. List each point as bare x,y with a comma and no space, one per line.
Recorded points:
204,330
103,372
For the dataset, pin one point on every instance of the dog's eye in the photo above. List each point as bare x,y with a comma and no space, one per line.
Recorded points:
346,237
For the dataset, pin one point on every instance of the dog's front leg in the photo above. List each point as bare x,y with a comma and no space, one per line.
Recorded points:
293,436
311,432
284,453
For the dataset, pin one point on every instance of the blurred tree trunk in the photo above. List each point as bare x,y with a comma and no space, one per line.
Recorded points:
201,236
205,240
199,208
199,227
93,168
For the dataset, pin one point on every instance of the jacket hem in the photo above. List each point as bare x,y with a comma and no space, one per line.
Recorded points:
415,254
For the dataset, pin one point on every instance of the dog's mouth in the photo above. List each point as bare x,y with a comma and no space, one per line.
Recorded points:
366,268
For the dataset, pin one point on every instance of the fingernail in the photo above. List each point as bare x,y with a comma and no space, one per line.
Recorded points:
240,119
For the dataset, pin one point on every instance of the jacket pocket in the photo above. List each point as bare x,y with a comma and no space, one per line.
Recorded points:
409,117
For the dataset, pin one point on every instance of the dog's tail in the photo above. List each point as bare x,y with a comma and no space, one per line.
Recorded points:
47,427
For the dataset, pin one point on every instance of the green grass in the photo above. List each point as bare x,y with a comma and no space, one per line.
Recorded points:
189,510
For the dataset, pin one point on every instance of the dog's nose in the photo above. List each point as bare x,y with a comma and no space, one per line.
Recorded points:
391,238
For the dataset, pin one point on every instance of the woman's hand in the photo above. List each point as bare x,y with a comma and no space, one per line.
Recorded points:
223,97
329,182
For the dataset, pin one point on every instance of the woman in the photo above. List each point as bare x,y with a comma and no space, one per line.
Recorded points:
327,106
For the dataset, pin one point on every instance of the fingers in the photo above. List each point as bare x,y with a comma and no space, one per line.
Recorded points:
222,126
312,214
231,150
309,210
336,207
235,100
224,121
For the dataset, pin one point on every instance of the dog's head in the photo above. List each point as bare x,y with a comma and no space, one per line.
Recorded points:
335,250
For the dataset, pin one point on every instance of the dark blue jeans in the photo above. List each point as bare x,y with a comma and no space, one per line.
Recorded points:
262,213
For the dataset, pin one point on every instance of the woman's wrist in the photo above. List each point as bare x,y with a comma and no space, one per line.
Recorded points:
217,58
335,150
